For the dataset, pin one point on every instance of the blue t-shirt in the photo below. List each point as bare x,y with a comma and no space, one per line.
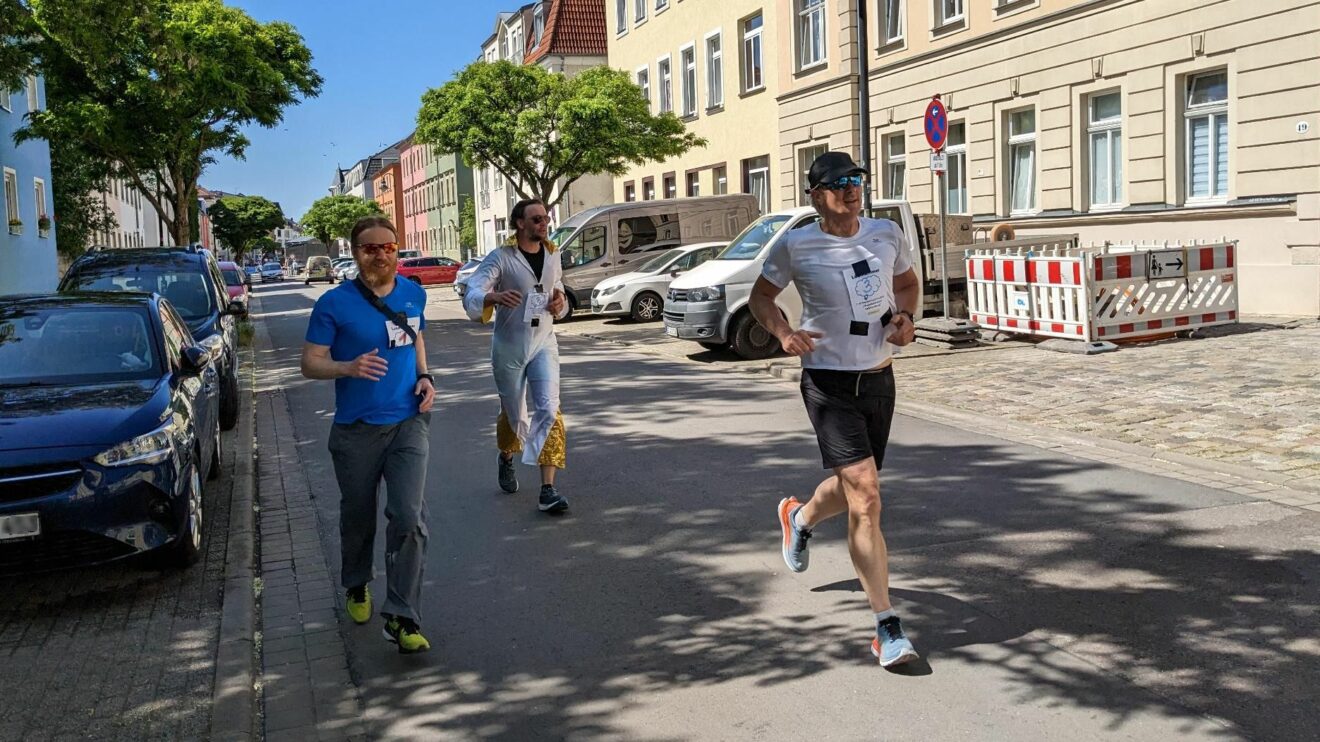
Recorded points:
344,320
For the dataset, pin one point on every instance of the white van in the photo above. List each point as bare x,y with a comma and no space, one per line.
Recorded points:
608,241
710,303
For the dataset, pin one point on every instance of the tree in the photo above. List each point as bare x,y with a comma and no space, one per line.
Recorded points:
18,44
543,131
334,216
77,182
239,221
159,88
467,224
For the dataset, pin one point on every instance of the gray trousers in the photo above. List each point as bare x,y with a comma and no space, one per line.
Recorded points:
363,455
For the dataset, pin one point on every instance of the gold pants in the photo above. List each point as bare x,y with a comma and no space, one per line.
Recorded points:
555,451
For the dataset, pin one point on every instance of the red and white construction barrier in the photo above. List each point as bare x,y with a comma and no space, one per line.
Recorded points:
1111,292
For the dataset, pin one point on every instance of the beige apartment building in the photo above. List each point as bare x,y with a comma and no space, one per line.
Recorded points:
1117,120
712,64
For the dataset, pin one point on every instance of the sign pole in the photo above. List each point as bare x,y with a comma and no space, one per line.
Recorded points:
944,249
864,107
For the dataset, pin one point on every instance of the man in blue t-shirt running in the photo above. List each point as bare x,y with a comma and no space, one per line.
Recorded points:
366,334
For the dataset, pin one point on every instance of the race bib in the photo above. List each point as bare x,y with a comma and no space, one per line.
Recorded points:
399,338
866,289
534,308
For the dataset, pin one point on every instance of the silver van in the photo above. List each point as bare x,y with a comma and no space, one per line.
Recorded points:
607,241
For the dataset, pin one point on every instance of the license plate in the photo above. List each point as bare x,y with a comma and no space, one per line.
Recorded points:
23,525
671,331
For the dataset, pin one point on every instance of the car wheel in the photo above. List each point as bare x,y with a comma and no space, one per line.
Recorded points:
229,400
750,340
415,279
708,345
187,547
647,307
216,457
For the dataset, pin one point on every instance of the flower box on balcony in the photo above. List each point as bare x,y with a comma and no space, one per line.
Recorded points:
15,226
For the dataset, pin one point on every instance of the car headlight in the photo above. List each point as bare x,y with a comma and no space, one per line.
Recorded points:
151,448
611,289
709,293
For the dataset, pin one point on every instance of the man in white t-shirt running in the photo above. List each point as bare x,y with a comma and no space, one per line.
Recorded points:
858,293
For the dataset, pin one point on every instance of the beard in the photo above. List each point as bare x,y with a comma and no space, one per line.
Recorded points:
376,274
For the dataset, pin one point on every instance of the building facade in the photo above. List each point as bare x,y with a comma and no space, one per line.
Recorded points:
28,259
714,66
389,190
564,37
137,222
1118,120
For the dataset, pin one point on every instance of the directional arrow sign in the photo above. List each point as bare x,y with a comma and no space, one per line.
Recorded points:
1166,264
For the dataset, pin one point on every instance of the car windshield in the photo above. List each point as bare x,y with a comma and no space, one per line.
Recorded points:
660,262
559,235
271,267
232,277
749,244
75,345
186,290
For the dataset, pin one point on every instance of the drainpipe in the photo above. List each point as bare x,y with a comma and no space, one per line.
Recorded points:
864,101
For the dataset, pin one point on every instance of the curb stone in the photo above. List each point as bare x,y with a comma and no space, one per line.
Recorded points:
234,701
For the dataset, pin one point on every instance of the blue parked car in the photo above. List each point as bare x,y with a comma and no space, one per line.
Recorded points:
109,422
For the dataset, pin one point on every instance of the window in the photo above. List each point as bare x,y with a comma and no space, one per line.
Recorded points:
811,33
756,180
752,78
661,5
688,58
1022,160
621,10
629,192
5,101
895,166
666,86
538,23
948,11
32,93
587,246
639,10
714,72
11,195
955,179
720,176
693,185
39,199
1207,135
644,82
671,186
1105,134
806,156
892,22
642,233
648,189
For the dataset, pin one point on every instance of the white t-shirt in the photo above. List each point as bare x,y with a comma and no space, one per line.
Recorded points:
821,264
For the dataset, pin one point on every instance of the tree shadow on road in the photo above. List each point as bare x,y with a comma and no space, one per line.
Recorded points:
1090,587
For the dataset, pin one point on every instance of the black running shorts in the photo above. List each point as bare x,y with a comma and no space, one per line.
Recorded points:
852,412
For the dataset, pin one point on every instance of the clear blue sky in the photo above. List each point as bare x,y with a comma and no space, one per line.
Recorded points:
377,59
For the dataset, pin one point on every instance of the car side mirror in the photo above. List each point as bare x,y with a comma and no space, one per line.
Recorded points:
235,308
675,274
195,360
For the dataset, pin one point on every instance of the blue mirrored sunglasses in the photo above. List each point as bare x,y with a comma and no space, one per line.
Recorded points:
844,182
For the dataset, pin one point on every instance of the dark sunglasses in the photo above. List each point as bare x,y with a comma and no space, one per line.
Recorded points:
538,219
847,181
372,248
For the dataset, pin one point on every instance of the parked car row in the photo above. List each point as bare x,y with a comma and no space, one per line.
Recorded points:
114,392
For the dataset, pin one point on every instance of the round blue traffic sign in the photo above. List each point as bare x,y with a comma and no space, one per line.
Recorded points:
937,125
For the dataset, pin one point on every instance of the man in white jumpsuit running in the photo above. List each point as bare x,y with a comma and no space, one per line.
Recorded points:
521,286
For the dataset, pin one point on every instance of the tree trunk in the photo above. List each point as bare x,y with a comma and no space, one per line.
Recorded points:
181,224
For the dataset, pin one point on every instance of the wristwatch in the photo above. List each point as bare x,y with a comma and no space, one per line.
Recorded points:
428,377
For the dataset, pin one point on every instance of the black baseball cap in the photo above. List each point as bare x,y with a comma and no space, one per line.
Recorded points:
831,166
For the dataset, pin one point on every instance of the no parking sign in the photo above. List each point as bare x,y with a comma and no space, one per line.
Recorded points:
937,124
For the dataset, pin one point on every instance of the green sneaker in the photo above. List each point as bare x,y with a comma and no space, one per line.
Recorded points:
359,604
407,634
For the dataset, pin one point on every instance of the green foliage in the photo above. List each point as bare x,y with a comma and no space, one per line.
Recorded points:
77,181
543,130
239,221
467,223
334,216
18,46
160,88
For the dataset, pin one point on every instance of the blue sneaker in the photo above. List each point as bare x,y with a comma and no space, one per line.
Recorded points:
551,501
795,539
890,645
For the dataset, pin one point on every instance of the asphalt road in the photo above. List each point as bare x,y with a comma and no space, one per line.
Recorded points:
1053,598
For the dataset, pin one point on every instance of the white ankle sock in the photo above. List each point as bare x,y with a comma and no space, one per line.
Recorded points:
798,523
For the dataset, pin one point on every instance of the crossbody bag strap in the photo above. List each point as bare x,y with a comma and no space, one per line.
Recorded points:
399,319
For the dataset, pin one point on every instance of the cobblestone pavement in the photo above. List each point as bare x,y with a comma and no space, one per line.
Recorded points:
1247,395
124,651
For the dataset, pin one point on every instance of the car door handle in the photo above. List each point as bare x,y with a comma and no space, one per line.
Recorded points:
605,265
